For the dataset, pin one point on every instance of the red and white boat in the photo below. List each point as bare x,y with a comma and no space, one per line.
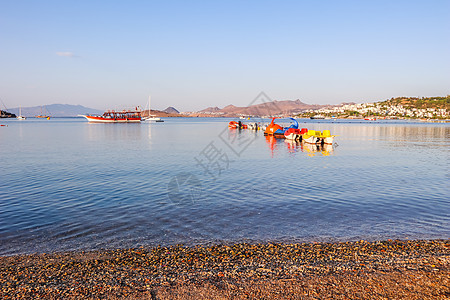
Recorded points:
111,116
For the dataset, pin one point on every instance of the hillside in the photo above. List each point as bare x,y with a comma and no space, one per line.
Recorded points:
419,103
285,107
161,114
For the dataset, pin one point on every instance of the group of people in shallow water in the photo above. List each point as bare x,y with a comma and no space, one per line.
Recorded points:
240,125
254,126
237,125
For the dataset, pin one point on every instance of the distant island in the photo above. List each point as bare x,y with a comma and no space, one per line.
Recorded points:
56,110
171,110
69,110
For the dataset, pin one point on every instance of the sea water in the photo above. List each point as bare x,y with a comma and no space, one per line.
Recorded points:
66,184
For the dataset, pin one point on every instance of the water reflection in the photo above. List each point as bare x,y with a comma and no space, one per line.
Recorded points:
386,131
110,132
87,186
273,144
149,128
292,147
317,149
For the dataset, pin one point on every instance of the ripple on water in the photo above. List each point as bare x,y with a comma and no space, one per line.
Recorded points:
76,186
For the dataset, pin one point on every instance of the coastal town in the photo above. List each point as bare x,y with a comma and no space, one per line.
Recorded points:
424,109
396,108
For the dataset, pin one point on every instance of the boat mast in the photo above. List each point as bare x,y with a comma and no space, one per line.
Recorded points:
149,107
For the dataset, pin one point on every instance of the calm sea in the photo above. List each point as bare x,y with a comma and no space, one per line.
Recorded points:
66,184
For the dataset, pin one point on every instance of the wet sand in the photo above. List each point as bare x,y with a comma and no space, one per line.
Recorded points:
352,270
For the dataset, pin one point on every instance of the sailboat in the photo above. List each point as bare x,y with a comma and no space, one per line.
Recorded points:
20,117
42,116
151,118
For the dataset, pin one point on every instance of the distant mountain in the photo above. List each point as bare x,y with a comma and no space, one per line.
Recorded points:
56,110
285,107
211,109
161,114
171,110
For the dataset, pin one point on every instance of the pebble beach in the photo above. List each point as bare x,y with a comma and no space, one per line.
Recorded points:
392,269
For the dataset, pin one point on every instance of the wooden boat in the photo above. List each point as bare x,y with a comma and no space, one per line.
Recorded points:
42,115
125,116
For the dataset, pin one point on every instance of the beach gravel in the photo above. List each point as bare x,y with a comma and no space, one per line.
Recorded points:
391,269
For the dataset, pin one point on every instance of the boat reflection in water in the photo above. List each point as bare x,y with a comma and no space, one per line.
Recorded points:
273,143
292,146
316,149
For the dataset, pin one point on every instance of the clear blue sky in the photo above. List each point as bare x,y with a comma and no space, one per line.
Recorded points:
194,54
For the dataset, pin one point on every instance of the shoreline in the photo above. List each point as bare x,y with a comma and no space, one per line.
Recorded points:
409,269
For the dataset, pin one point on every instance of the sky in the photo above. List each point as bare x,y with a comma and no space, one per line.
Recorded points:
196,54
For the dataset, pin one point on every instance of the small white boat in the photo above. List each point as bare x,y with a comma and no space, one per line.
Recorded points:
151,118
291,136
20,117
